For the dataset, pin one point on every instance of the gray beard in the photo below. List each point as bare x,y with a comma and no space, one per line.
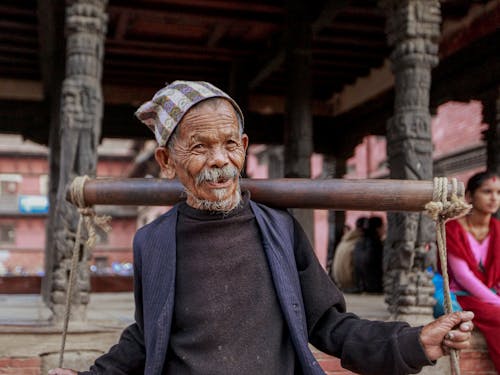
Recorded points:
224,206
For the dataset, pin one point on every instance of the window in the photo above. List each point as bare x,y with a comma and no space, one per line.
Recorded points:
7,233
9,184
8,188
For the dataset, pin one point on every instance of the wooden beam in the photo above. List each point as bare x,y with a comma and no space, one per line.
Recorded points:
171,50
15,25
117,94
329,12
122,25
17,38
17,11
16,89
199,15
217,33
343,194
229,5
26,118
275,63
51,41
331,8
17,49
479,24
481,62
123,65
353,41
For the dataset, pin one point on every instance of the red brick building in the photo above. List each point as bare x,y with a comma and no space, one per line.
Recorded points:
24,207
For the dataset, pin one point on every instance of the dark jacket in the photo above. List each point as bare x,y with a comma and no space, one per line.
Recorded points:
143,345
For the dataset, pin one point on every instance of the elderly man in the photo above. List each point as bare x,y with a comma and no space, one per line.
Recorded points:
224,285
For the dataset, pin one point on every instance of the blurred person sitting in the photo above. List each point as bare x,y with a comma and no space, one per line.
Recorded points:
473,244
342,271
367,257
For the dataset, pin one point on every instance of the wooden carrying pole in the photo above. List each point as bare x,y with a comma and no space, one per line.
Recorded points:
339,194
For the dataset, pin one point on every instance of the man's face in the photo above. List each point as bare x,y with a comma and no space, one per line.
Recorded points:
208,153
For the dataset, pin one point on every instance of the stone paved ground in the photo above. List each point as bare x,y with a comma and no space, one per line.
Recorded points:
25,333
23,309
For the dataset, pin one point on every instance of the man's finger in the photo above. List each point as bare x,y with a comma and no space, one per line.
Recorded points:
459,318
466,327
457,336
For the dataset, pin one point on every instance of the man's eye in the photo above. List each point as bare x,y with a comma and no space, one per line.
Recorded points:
198,146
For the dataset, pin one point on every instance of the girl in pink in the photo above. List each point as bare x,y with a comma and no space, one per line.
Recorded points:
473,244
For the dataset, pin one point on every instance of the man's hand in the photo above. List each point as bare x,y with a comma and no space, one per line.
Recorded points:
451,331
62,371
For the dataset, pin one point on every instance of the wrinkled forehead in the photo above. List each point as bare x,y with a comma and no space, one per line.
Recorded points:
213,115
220,105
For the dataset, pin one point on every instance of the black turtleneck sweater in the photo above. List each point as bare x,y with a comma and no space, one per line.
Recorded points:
227,318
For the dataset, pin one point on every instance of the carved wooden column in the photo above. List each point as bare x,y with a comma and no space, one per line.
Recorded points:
412,30
80,131
491,115
298,139
52,58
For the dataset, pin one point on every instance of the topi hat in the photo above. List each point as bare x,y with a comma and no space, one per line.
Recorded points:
165,111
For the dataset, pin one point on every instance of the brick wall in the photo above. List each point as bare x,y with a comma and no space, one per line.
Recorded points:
476,361
329,364
20,366
457,126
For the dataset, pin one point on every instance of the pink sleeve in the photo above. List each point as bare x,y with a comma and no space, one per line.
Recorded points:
469,282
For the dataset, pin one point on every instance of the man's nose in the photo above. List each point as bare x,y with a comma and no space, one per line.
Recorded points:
218,157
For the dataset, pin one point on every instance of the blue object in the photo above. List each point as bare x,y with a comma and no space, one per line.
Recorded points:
437,279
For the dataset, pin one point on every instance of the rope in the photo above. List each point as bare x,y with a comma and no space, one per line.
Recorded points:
441,210
88,218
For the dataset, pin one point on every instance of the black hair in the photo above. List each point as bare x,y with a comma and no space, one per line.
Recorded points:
361,222
477,180
375,222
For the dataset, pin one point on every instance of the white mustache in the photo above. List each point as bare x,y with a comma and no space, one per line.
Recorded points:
215,174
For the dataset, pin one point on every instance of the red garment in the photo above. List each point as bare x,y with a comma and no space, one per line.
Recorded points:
487,316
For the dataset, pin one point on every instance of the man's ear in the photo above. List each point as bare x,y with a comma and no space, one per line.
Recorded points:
165,162
244,141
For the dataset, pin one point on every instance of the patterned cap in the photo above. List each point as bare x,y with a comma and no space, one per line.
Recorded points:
169,105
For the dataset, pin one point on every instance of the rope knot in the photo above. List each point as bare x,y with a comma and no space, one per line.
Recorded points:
90,218
86,211
441,210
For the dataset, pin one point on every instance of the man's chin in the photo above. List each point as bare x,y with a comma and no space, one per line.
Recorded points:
218,200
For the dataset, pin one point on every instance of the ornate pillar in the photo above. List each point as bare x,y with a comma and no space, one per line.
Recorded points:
80,131
412,30
52,59
298,113
491,115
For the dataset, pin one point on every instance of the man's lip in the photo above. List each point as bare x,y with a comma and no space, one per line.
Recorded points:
219,185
